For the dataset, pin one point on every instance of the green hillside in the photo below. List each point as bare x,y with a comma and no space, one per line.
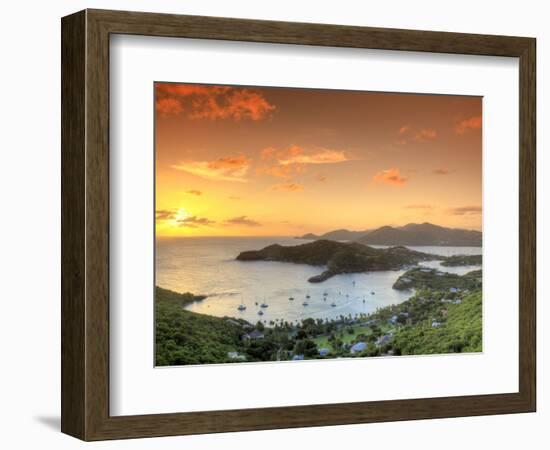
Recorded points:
184,337
460,330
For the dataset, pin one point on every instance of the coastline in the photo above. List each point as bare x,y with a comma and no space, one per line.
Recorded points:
435,308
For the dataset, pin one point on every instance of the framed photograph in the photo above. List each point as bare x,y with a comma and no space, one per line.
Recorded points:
272,225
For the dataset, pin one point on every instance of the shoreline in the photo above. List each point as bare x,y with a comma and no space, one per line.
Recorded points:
431,320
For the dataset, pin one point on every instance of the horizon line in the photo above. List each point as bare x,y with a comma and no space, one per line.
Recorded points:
309,232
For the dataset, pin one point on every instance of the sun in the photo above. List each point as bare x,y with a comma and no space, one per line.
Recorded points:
181,214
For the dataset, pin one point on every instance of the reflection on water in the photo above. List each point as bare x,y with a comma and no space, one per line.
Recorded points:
207,266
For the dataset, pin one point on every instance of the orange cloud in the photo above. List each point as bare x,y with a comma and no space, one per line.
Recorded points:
243,220
464,210
289,187
441,171
425,134
281,171
297,155
194,192
321,178
287,162
268,153
473,123
404,129
229,168
390,176
211,102
422,135
168,106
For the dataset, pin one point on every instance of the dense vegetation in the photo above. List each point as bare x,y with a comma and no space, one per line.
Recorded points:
183,337
459,330
462,260
422,277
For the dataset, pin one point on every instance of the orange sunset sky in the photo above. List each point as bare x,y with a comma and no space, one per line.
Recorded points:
236,161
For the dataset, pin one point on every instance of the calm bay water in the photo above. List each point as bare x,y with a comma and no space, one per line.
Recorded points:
207,266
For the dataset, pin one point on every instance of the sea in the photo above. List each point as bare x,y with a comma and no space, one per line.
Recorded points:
208,266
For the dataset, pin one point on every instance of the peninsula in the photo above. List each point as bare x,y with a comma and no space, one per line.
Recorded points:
340,257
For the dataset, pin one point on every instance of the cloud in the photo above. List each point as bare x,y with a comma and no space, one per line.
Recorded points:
228,168
281,171
390,176
289,187
464,210
194,192
211,102
404,129
297,155
419,206
293,160
169,106
408,133
243,220
321,178
441,171
466,125
165,214
194,222
425,134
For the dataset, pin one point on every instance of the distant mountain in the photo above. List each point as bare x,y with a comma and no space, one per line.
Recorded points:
422,234
336,235
308,236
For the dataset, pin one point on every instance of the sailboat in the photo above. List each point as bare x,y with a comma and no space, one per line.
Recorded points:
242,306
305,302
291,298
333,304
260,313
264,304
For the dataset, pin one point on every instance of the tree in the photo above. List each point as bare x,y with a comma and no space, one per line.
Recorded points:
306,347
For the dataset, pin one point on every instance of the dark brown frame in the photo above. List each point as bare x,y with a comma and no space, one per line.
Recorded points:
85,224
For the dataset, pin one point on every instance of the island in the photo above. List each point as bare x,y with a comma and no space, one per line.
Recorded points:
340,257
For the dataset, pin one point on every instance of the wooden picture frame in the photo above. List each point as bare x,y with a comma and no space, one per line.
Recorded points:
85,224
